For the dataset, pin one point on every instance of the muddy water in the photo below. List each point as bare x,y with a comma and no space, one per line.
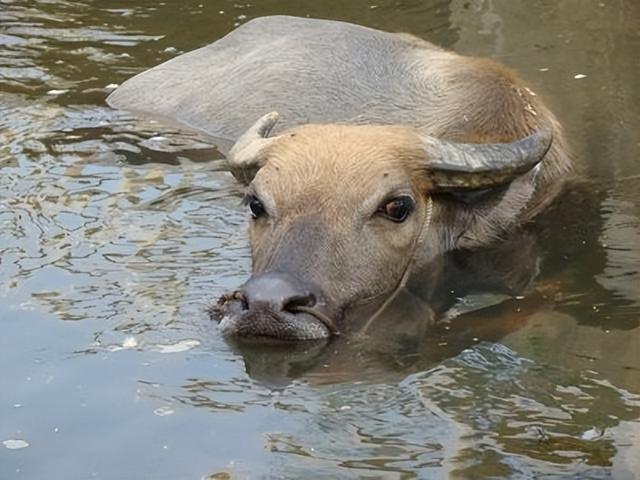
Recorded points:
116,232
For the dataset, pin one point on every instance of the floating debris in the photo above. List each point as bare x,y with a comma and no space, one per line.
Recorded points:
592,434
129,342
164,411
579,76
181,346
15,444
56,92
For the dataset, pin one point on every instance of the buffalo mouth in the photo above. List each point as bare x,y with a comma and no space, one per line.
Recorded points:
276,306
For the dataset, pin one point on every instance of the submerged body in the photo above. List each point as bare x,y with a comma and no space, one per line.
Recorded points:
397,116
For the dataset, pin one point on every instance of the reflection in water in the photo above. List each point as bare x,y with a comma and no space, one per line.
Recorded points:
78,209
520,362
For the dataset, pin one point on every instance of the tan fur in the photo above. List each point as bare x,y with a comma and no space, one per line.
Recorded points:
322,186
345,159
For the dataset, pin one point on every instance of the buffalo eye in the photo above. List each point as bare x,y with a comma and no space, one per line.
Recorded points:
255,206
397,209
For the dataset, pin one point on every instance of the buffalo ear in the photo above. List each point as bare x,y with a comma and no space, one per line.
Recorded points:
467,166
247,156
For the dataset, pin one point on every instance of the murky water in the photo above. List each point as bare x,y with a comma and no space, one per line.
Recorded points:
116,232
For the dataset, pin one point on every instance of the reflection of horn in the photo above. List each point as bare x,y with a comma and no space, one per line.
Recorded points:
467,166
245,158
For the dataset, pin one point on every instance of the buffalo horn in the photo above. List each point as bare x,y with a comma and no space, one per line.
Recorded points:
246,156
467,166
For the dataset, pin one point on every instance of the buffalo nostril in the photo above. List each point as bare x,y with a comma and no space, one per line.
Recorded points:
292,304
305,304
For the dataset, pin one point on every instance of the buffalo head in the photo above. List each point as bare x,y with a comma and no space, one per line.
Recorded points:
341,215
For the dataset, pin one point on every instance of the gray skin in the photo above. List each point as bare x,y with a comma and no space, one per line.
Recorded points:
327,72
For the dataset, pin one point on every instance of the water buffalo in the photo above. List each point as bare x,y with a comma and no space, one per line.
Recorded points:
386,152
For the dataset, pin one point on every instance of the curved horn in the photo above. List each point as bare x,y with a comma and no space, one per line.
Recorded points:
466,166
246,156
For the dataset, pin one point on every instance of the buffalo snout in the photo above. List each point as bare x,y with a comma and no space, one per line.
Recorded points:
278,305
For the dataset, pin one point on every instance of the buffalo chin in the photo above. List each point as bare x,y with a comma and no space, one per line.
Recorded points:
236,321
